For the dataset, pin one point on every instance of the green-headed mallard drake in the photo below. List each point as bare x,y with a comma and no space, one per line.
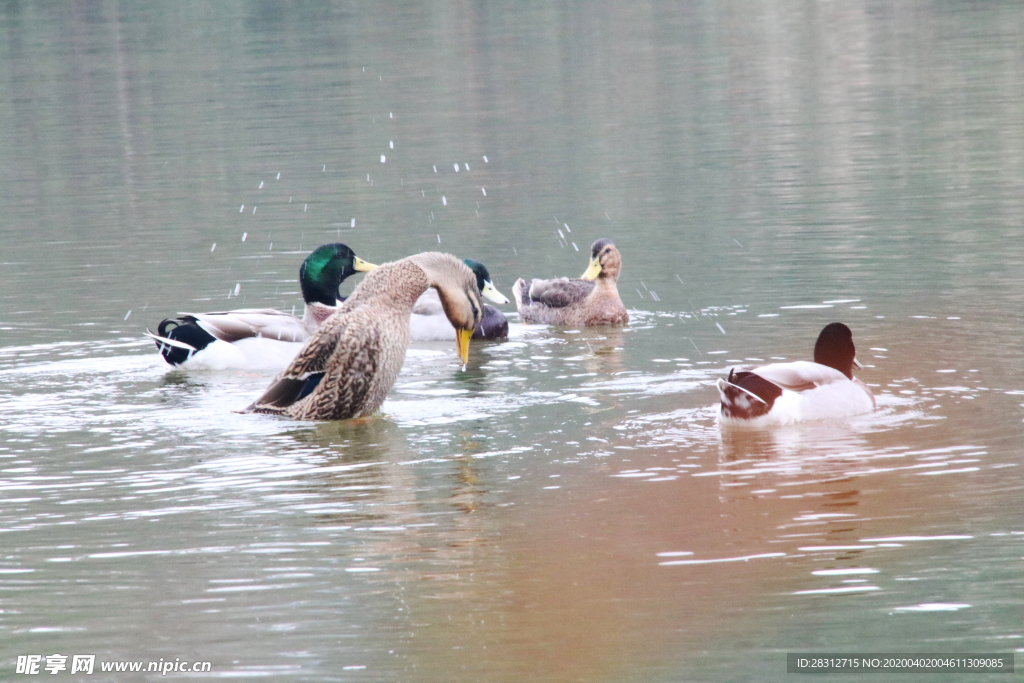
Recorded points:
783,393
349,365
591,300
429,323
259,337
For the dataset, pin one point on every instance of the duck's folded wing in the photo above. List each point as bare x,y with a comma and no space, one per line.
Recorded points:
307,369
799,375
559,293
231,326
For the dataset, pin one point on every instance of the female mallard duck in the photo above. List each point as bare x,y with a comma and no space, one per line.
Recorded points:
783,393
591,300
349,365
429,323
252,337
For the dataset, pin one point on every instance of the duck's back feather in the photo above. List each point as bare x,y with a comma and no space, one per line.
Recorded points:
231,326
557,293
799,375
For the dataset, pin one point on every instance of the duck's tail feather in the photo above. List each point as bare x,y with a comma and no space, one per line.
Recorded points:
178,339
521,293
162,341
745,395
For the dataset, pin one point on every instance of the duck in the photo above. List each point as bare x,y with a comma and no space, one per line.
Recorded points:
429,323
350,363
785,393
250,338
593,299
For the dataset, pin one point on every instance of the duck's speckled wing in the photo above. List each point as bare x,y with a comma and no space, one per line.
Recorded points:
800,375
246,323
559,293
350,378
307,369
342,356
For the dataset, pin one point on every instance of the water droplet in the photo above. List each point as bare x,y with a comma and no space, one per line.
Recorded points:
382,160
238,288
456,168
566,227
325,168
241,209
444,200
466,165
484,190
485,159
304,207
261,185
353,222
271,247
244,235
391,143
439,239
561,235
391,115
254,209
575,247
435,169
127,314
278,177
214,246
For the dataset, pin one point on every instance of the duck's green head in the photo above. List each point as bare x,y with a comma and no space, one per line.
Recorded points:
483,281
325,269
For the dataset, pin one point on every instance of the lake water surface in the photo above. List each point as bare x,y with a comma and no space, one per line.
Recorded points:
565,508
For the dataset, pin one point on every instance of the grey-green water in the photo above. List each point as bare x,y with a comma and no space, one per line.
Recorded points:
764,167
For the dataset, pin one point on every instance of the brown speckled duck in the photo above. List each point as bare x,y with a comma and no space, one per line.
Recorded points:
349,365
591,300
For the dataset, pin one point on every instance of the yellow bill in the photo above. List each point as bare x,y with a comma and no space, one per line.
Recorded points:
364,267
491,293
593,271
462,338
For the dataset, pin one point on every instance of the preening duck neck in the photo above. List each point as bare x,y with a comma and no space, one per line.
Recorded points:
393,285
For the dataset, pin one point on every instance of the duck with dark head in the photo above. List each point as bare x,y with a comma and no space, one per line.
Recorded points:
349,365
783,393
250,338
